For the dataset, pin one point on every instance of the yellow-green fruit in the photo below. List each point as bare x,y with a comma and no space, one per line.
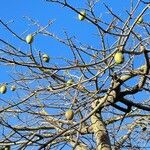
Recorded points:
13,88
143,68
142,48
45,58
69,114
29,38
119,58
3,89
140,20
70,82
82,17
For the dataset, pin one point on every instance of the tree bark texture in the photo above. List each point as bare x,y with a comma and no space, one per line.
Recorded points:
100,132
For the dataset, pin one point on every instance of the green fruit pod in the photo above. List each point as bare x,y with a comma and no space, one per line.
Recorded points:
45,58
69,114
119,58
82,17
29,38
13,88
3,89
70,82
140,20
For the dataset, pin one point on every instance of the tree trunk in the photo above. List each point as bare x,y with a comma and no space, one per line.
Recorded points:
100,132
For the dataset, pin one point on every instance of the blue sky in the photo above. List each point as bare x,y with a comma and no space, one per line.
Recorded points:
42,11
65,19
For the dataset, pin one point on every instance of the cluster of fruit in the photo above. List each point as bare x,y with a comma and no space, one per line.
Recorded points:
3,88
118,57
29,40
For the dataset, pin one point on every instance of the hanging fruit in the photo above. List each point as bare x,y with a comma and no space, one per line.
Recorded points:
3,89
119,58
13,88
69,114
45,58
29,38
82,17
140,20
69,82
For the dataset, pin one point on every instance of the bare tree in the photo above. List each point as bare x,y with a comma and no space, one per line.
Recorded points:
87,101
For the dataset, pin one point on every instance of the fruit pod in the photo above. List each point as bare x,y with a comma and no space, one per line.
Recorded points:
119,58
82,17
3,89
142,48
45,58
13,88
69,82
140,20
29,38
69,114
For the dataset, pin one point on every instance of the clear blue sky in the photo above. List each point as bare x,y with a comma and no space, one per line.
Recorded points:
65,19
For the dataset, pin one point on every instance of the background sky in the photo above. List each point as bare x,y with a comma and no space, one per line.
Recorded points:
64,20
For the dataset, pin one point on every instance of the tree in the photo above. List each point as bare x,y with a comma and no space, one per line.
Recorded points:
98,98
